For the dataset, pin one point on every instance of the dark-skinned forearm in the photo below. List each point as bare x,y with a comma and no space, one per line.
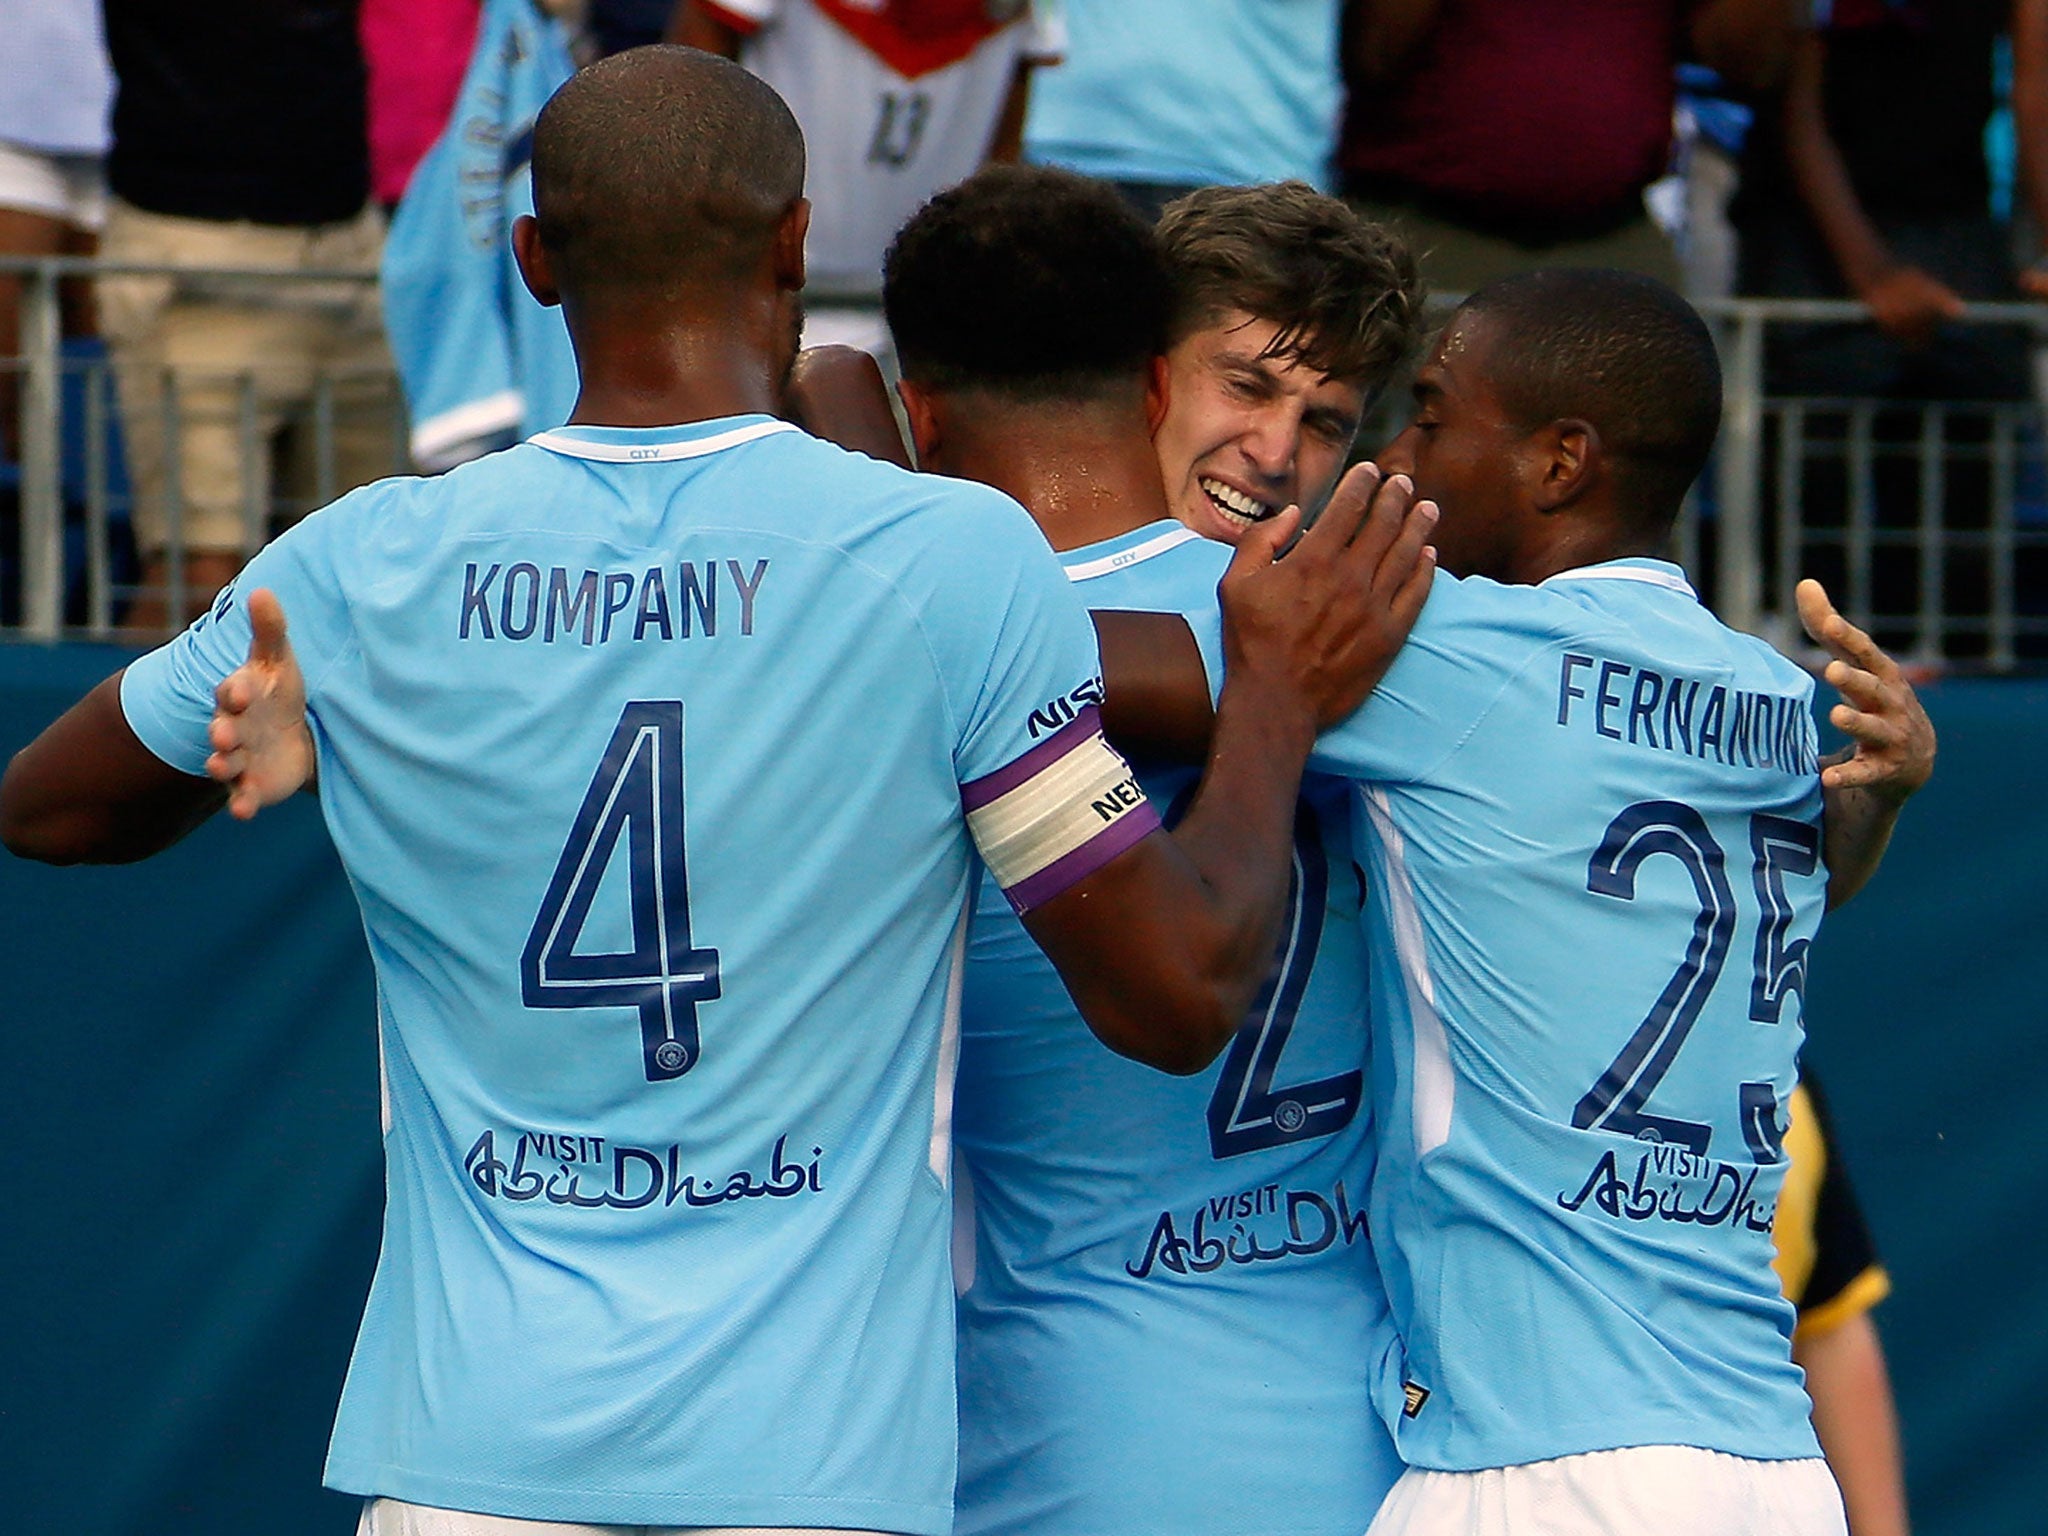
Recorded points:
2030,102
1856,828
1822,179
1155,705
87,791
1239,833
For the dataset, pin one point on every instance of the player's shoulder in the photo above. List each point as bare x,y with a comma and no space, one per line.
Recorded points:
1163,566
923,525
352,532
1476,613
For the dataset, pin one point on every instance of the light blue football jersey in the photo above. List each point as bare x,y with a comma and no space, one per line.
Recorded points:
1197,92
1173,1311
1591,820
645,751
481,360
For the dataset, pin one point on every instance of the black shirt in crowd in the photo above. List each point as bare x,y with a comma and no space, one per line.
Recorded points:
239,109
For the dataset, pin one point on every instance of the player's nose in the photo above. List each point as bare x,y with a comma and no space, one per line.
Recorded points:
1398,457
1269,445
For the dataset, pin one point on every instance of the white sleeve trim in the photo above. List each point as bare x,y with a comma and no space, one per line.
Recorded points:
457,436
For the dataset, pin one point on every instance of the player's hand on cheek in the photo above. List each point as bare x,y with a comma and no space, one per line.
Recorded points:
262,746
1892,740
1325,621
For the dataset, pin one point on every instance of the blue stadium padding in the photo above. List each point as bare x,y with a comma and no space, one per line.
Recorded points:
1929,1029
195,1176
196,1181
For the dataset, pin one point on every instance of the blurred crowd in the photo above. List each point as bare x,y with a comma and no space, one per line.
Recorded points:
1882,150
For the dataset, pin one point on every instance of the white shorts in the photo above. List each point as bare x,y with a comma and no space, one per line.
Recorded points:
389,1517
1672,1490
72,188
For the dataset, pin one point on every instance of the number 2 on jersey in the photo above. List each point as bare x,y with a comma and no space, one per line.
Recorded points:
1779,846
636,797
1246,1112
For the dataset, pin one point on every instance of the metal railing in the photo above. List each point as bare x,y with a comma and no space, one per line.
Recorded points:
1929,521
67,530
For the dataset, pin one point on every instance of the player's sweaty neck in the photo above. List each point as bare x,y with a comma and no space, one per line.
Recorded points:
659,366
1085,473
1559,545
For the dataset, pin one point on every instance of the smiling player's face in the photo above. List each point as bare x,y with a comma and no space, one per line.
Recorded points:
1245,435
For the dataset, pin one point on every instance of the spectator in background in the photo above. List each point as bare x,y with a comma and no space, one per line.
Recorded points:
54,93
898,99
1164,96
238,141
483,362
1503,136
613,26
1869,179
1829,1267
415,52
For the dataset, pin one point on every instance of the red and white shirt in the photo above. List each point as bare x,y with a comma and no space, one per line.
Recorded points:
898,99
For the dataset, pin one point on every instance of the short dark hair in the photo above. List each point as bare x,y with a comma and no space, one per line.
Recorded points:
1615,349
661,165
1343,290
1034,283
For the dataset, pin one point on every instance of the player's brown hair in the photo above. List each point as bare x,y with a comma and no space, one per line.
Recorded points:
1344,291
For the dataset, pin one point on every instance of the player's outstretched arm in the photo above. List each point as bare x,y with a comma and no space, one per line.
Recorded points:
87,791
262,746
1891,754
1164,947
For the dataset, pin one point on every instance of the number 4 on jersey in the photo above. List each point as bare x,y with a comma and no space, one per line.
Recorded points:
636,795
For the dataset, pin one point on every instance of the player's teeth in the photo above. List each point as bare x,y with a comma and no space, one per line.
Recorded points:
1235,501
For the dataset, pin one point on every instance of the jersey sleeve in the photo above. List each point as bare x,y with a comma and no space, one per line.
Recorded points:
1047,799
1473,638
167,695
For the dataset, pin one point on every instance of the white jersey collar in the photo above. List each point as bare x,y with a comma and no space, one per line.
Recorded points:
1116,559
1656,573
651,445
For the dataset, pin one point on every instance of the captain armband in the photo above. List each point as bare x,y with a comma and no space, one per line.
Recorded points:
1057,814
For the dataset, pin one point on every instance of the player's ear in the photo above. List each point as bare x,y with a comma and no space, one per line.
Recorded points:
536,270
922,412
790,231
1564,462
1158,394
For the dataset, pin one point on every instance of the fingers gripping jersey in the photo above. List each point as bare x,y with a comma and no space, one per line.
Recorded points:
1172,1308
1592,821
644,753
